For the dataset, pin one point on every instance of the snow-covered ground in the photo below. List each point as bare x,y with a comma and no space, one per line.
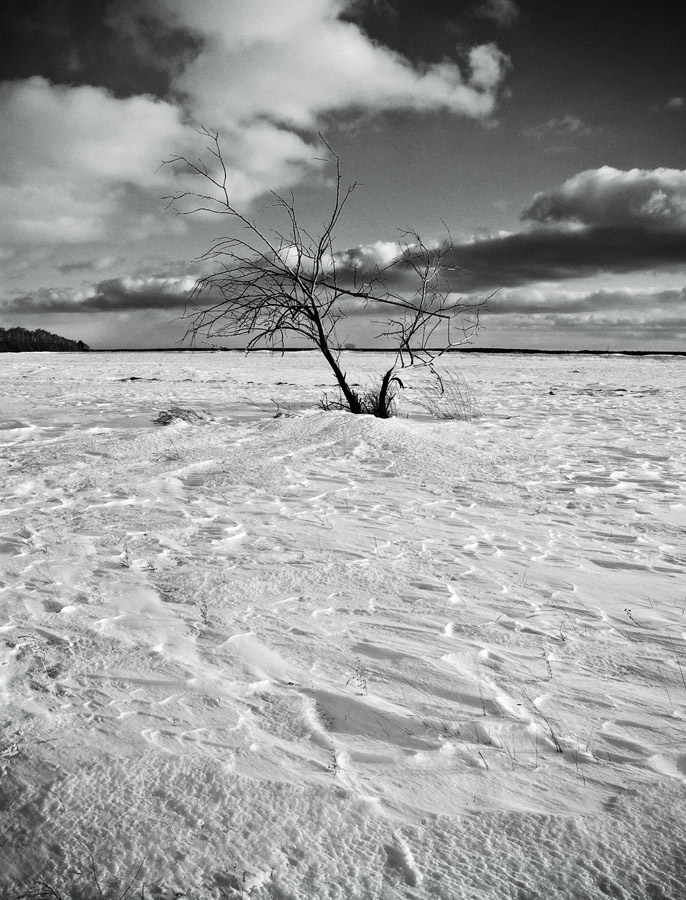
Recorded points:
284,653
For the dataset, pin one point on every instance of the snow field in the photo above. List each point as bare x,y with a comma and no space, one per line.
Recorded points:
320,656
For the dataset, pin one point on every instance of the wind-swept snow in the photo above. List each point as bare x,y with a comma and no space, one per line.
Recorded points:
277,652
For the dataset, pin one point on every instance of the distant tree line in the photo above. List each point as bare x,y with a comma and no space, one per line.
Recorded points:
18,340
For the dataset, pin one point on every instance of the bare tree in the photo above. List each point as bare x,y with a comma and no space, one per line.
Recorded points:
269,285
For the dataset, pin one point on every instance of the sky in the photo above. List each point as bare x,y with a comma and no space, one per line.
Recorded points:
548,138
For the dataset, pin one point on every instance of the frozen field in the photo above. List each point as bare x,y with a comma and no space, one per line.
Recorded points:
314,655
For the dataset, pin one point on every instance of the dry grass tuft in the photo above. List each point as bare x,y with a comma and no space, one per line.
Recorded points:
176,413
448,396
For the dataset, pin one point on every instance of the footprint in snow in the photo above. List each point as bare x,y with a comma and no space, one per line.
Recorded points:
399,856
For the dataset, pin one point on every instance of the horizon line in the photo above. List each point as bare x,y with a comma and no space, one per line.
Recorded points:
281,350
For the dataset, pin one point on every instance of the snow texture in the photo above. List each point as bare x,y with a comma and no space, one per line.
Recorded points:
269,651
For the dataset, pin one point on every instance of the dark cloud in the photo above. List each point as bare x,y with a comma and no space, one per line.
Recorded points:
82,265
544,254
118,294
114,295
98,42
599,222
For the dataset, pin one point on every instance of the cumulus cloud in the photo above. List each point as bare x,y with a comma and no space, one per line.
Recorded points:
296,61
83,129
68,155
600,221
367,257
675,103
73,158
652,198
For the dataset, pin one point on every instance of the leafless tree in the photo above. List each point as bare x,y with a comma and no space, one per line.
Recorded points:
268,285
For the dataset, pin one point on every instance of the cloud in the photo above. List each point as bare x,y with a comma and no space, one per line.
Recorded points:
145,311
98,42
114,295
69,155
566,127
367,257
80,164
100,263
676,103
549,254
296,62
599,221
547,301
502,12
488,66
557,318
79,265
592,332
610,197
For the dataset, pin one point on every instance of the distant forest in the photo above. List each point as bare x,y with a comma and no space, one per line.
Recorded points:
18,340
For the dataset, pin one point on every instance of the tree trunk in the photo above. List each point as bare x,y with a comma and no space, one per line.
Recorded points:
383,411
351,397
